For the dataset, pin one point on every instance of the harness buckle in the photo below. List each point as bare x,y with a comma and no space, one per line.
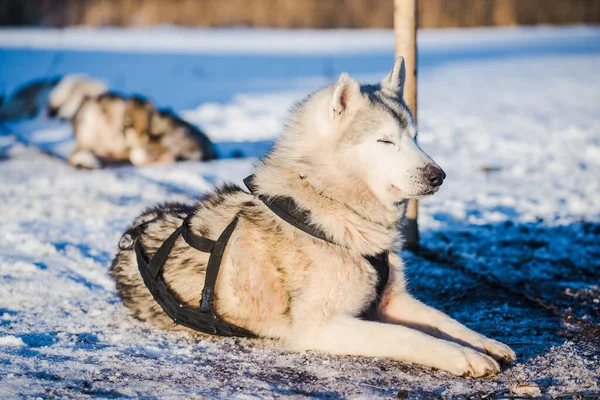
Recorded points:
126,242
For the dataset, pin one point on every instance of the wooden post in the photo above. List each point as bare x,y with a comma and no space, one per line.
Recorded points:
405,30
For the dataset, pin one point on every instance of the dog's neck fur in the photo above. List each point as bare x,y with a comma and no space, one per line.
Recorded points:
340,204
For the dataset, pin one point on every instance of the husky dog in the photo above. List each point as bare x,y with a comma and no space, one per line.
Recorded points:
112,129
69,94
349,158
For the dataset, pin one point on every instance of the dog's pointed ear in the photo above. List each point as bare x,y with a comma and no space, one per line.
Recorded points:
394,81
345,92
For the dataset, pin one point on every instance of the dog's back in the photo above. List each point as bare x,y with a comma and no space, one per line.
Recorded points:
182,140
186,269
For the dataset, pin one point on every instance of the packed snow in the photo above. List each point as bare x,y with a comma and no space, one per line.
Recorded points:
512,115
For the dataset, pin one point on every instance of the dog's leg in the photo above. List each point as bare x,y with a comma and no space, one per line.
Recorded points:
138,156
352,336
405,310
84,159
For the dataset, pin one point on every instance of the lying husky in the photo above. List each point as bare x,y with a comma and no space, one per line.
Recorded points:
113,129
347,162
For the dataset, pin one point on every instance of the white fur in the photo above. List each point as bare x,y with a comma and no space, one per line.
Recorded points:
70,92
84,159
138,156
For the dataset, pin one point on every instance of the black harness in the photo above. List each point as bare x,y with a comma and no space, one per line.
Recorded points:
204,318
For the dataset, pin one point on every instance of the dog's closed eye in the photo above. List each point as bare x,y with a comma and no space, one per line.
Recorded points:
386,141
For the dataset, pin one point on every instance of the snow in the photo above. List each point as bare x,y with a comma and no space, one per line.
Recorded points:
11,341
510,114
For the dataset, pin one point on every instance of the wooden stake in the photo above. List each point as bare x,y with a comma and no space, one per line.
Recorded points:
405,30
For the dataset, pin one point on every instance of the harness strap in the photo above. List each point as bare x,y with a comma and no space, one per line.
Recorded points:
287,209
213,266
160,257
202,319
198,242
381,265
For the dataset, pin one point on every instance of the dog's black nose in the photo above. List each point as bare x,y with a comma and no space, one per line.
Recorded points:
52,112
435,175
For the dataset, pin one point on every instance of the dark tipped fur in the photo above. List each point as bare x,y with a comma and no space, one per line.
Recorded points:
208,149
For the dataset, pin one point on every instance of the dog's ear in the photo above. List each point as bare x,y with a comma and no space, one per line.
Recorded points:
345,92
394,81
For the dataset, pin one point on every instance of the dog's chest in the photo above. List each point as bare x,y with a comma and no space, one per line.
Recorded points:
341,285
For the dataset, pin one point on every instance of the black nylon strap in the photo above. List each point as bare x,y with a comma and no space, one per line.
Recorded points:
381,265
212,268
161,255
204,319
287,209
198,242
193,318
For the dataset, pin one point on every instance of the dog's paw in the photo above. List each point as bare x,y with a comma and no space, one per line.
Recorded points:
472,363
498,351
84,159
139,157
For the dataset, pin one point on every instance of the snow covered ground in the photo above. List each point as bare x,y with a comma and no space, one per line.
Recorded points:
512,115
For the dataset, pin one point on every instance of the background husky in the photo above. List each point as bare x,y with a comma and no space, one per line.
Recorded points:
105,129
113,129
349,157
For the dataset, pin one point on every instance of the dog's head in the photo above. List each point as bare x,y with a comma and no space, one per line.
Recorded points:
377,138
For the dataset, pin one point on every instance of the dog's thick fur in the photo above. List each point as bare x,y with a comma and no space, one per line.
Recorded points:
349,157
59,96
183,140
68,95
112,129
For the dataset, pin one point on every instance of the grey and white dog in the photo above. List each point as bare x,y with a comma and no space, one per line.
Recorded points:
349,157
113,129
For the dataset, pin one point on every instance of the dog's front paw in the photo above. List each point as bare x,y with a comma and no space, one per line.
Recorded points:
499,351
472,363
84,159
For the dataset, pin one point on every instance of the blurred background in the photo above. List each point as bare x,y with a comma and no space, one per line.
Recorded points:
294,14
